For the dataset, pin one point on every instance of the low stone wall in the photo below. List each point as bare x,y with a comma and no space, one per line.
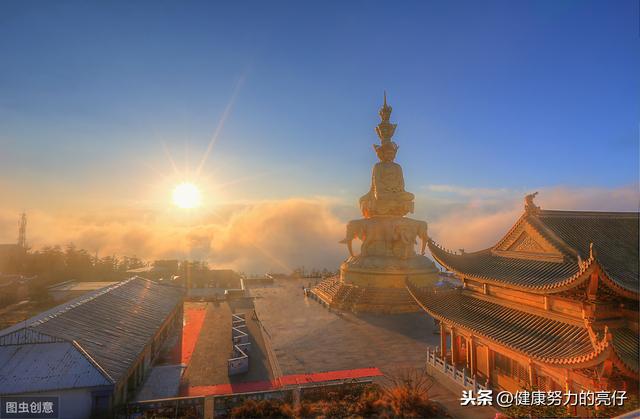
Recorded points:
209,407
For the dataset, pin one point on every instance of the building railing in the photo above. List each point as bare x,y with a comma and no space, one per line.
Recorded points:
458,375
239,361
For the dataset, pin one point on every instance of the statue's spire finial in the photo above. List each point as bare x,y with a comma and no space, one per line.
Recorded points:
385,111
385,129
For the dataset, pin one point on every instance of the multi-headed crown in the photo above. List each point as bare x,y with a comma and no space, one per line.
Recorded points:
385,111
385,129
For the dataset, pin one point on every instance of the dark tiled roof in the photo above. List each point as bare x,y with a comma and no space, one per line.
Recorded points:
114,326
524,272
625,344
614,235
540,337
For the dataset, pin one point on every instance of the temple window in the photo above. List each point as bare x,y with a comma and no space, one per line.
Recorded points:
511,368
545,383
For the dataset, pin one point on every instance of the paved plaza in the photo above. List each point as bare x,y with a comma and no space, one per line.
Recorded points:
308,337
292,334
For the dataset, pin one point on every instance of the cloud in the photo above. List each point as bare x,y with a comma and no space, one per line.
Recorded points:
254,237
474,219
469,192
284,234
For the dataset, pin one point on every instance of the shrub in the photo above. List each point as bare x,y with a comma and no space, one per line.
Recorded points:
405,395
272,408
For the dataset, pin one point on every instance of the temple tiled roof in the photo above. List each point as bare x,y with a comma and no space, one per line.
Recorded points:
540,337
614,236
544,339
626,346
524,272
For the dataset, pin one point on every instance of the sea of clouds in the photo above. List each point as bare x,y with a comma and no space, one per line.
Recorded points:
280,235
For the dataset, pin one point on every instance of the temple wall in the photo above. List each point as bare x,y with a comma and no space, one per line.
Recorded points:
533,300
553,304
482,356
571,308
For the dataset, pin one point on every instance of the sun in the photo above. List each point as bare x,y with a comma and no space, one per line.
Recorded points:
187,195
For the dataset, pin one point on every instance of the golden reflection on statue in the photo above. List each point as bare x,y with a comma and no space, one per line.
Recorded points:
374,278
386,195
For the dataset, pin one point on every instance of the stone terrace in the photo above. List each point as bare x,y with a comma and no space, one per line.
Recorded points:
307,337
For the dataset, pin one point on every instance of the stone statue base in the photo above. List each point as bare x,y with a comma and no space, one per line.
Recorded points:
388,271
375,279
374,290
382,291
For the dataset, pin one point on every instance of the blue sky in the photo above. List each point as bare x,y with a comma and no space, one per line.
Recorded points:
499,94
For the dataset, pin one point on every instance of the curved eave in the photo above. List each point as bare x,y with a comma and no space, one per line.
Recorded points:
624,367
600,353
634,295
622,344
582,275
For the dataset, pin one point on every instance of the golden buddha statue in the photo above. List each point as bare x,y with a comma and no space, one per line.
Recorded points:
386,195
387,257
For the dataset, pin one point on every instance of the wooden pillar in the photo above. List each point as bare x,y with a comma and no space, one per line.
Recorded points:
489,364
443,341
467,360
532,374
454,349
209,407
473,365
567,387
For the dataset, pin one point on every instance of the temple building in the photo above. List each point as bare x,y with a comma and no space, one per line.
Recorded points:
553,305
374,279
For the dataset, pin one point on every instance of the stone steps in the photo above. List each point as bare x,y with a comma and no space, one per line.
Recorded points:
343,296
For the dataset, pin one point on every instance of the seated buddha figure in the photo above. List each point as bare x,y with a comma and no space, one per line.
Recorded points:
386,195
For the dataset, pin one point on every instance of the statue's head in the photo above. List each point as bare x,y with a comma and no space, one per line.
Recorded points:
387,151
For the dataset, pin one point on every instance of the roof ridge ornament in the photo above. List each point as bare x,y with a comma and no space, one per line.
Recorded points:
598,344
529,206
592,251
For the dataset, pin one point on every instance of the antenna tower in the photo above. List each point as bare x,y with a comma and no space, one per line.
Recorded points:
22,231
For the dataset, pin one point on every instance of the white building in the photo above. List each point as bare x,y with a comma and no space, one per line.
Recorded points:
91,352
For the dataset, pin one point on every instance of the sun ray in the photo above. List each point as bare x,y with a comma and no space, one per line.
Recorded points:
220,125
272,258
245,178
171,160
